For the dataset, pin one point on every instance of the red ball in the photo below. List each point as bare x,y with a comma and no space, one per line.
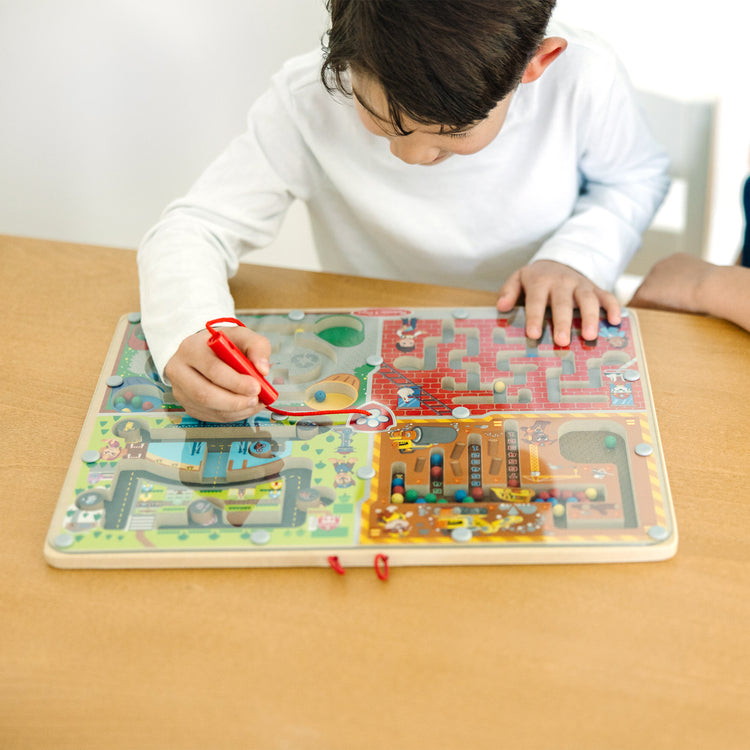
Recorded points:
477,493
436,472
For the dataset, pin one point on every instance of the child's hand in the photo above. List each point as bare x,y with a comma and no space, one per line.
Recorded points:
674,283
688,284
211,390
548,283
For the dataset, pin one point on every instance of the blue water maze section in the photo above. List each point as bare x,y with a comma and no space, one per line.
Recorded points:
238,454
216,466
190,454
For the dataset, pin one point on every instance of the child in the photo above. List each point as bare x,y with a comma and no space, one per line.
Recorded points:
684,282
541,177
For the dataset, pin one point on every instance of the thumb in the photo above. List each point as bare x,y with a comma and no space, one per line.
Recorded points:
254,346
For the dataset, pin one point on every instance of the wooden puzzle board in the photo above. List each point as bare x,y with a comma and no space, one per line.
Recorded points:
482,447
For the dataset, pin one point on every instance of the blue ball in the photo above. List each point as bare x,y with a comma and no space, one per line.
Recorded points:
320,396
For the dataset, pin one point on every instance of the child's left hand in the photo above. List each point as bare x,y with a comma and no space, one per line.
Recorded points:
548,283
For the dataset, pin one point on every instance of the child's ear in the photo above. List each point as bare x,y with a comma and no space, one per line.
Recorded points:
549,50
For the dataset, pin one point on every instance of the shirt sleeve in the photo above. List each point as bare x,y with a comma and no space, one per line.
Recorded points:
623,175
236,206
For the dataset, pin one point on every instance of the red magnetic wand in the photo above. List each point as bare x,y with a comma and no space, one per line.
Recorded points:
230,354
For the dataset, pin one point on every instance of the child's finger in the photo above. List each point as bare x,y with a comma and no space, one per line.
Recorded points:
536,306
561,307
227,378
609,303
256,347
509,292
588,305
208,401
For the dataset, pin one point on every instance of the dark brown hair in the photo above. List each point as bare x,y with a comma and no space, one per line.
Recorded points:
443,62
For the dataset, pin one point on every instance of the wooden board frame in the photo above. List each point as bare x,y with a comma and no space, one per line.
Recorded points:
559,446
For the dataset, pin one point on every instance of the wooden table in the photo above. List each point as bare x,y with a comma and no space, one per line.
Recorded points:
605,656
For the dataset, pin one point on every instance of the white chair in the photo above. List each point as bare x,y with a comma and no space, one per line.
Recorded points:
686,130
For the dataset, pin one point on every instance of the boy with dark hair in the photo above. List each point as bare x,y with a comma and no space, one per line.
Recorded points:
538,184
439,63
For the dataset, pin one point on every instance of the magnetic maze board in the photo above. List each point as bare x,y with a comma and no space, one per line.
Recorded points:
481,447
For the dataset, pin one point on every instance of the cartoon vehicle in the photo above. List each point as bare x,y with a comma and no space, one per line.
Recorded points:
410,437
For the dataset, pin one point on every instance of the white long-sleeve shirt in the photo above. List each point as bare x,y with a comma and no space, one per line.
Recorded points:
573,176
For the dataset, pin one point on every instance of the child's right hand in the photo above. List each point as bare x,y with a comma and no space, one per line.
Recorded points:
211,390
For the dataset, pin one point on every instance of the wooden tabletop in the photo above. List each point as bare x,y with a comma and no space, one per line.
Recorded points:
646,655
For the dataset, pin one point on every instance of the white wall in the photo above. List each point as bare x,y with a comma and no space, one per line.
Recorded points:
111,108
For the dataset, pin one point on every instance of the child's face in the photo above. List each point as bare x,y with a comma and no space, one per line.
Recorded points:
425,144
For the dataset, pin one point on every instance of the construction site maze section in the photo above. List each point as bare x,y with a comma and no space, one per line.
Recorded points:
479,446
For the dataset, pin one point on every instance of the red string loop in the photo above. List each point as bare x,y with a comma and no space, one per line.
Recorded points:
381,566
316,413
335,563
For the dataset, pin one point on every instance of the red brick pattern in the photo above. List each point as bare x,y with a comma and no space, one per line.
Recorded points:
531,395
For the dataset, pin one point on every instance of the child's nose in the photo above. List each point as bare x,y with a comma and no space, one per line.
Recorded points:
413,150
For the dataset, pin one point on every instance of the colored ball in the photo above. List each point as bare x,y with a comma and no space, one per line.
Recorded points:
477,493
397,497
397,482
320,396
436,459
460,496
430,497
591,493
499,386
436,472
410,496
610,442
